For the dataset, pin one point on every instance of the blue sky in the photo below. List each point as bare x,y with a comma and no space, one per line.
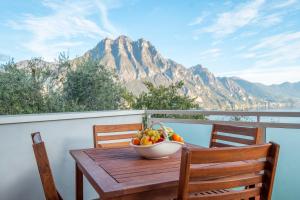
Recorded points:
258,40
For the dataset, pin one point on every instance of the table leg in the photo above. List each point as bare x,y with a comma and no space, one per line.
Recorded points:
79,184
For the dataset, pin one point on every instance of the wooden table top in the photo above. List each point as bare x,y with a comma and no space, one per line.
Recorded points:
120,171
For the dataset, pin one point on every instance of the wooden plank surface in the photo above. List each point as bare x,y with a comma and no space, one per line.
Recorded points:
229,154
127,166
117,128
246,131
115,137
121,171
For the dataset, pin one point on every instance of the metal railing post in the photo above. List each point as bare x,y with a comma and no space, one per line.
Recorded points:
264,134
263,131
148,120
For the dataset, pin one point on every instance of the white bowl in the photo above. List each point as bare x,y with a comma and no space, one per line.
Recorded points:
158,150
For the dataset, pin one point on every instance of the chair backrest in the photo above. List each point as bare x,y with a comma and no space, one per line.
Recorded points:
113,136
228,173
229,136
44,168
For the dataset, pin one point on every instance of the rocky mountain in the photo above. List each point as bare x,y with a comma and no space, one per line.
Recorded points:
137,61
290,90
285,92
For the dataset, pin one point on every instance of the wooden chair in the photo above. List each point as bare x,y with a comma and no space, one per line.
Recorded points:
235,136
222,173
50,191
112,136
43,164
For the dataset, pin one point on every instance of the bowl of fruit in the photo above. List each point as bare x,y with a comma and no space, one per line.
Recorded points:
157,143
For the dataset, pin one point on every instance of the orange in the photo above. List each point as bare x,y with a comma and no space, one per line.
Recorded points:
136,141
180,139
175,137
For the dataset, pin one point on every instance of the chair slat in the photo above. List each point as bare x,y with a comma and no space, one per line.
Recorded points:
246,131
115,137
230,154
220,144
113,145
117,128
233,139
225,183
227,169
244,194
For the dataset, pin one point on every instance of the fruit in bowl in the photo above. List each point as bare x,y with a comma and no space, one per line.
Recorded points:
151,136
173,136
155,144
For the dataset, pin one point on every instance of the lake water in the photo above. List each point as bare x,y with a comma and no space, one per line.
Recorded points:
287,181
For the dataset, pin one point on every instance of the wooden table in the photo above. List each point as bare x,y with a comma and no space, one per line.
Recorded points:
121,173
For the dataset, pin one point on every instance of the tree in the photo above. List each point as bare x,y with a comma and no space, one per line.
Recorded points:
91,87
37,87
162,97
21,90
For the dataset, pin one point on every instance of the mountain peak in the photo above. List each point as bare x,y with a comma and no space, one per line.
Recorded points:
197,69
198,66
204,73
142,40
133,59
106,40
123,38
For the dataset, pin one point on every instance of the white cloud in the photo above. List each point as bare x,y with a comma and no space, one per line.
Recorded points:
249,55
270,20
275,59
248,33
276,41
210,54
229,22
279,49
104,17
247,19
196,21
268,76
62,28
285,3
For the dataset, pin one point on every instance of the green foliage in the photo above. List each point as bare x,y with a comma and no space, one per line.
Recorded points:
21,90
240,118
37,89
91,87
128,99
163,98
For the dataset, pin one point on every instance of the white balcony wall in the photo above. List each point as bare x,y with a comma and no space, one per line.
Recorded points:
19,177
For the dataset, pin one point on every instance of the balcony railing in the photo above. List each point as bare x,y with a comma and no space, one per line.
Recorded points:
61,132
280,127
65,131
257,118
